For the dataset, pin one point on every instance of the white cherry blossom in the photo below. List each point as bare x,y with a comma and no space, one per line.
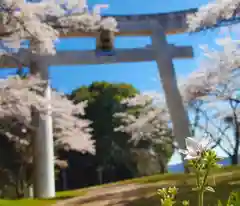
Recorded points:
214,13
18,97
151,121
42,22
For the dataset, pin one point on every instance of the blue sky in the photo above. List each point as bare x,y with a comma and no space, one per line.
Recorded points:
143,76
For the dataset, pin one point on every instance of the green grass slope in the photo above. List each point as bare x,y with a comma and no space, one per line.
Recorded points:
224,181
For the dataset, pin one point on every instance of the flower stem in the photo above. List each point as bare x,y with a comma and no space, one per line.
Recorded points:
200,197
202,187
205,178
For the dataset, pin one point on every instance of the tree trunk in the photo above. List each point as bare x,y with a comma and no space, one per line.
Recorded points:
236,148
163,166
19,189
235,124
185,165
234,159
20,182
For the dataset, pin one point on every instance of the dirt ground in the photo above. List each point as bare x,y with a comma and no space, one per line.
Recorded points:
119,195
111,195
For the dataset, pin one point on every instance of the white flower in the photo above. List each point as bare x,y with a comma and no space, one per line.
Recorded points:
194,148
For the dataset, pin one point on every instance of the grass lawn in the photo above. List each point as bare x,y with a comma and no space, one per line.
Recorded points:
47,202
223,185
226,180
26,202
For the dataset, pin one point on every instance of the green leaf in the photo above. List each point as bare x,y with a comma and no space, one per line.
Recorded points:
219,203
233,199
185,202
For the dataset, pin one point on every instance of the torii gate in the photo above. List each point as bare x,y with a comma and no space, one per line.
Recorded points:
157,26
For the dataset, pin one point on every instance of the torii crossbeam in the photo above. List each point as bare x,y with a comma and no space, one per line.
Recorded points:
89,57
138,25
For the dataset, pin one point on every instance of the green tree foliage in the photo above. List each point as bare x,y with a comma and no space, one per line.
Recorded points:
112,149
116,158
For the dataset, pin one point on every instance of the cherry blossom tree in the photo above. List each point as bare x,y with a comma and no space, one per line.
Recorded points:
220,67
216,85
143,119
41,23
214,14
19,98
147,119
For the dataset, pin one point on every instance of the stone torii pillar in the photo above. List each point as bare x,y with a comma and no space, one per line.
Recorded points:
167,75
43,145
